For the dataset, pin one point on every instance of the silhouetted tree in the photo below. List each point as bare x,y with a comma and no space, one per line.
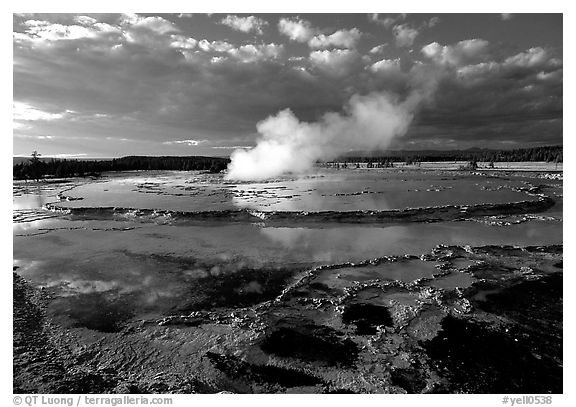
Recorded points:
35,164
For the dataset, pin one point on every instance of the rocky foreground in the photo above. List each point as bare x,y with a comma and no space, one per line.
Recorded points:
485,320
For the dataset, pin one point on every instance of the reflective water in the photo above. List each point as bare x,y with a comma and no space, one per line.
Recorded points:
325,191
104,272
405,270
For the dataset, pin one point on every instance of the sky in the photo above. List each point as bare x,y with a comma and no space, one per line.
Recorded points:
110,85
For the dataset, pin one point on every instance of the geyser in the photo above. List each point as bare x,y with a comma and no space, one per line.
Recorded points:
287,145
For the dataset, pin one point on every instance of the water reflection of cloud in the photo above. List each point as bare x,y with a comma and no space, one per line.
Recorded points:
253,287
341,243
92,286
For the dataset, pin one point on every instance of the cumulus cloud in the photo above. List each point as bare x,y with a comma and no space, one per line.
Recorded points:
532,57
302,31
183,42
404,35
245,24
473,72
150,80
386,65
337,62
129,27
40,32
297,29
340,39
215,46
463,52
150,31
85,20
534,62
253,53
156,24
378,49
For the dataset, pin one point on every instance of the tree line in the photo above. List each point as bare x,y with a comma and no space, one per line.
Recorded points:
547,154
36,167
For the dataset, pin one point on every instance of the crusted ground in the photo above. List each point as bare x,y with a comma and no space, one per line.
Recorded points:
482,320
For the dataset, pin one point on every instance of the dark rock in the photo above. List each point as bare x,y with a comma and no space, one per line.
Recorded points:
366,317
310,342
476,359
238,369
411,380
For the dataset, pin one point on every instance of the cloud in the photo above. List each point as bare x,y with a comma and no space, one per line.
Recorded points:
253,53
302,31
34,137
215,46
404,35
129,28
337,62
187,142
388,21
378,49
156,80
149,31
463,52
433,22
181,41
485,95
25,112
555,76
533,57
533,64
296,29
230,147
245,24
42,32
386,65
63,155
156,24
85,20
339,39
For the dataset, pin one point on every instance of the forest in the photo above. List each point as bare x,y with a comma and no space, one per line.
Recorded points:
546,154
37,167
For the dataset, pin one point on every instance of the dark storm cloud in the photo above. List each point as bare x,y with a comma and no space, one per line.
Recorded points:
514,99
150,81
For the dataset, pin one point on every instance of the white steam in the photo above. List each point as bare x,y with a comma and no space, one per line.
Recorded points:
287,145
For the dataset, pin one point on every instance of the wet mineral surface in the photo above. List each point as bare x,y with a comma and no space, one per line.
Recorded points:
265,293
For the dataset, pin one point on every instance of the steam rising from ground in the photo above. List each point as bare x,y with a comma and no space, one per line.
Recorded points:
287,145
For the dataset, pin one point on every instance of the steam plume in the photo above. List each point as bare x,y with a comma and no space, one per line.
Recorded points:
289,145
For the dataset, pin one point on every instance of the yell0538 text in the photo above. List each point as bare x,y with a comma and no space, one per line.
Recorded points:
517,401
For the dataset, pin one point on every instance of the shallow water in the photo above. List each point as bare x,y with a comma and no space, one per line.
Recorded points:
105,272
325,191
406,271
